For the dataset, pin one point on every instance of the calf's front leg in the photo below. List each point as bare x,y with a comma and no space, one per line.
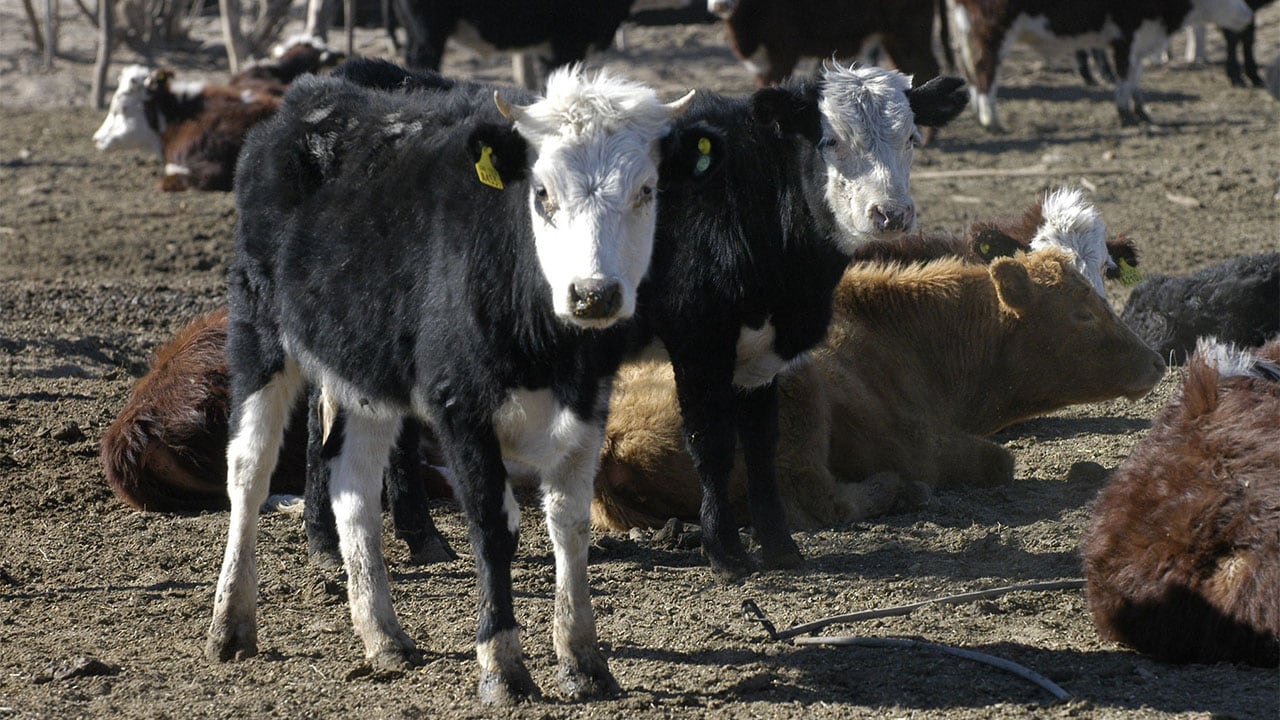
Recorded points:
756,411
566,501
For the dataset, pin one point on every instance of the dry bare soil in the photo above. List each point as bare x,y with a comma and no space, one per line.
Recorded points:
97,268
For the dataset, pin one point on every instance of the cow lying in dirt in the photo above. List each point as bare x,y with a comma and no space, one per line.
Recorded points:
1182,556
920,362
167,449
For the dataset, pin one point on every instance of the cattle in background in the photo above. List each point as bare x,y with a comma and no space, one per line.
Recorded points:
553,203
548,33
770,36
983,30
1182,552
195,128
920,362
1236,301
296,56
1243,41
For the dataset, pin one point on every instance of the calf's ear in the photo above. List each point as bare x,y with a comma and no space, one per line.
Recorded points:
790,110
1013,284
938,101
501,147
691,155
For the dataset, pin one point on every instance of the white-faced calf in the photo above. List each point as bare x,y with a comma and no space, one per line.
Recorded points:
428,259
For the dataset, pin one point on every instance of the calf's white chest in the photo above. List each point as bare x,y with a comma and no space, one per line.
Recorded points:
757,361
535,429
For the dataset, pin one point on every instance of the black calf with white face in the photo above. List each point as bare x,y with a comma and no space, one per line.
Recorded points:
387,253
762,201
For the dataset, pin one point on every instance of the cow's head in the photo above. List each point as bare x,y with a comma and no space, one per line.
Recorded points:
866,124
1069,221
1061,322
593,145
1232,15
127,126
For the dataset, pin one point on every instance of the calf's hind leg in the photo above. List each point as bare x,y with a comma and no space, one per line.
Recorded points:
259,420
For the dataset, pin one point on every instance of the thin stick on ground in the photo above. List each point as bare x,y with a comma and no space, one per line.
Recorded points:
979,657
751,608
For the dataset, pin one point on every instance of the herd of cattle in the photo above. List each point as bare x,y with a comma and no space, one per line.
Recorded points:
707,309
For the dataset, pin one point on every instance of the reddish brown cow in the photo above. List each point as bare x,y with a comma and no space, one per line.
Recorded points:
920,362
197,129
770,36
300,55
1182,556
167,449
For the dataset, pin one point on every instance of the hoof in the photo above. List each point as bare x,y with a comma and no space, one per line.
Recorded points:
730,568
395,660
511,688
227,644
590,680
431,550
787,557
327,559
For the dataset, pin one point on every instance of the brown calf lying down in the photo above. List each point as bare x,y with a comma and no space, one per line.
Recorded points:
167,449
1182,556
920,362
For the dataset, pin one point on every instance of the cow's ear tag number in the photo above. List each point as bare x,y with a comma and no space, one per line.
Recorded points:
1129,275
704,159
485,169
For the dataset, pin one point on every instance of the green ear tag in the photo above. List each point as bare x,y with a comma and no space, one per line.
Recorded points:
1129,275
704,162
985,249
485,169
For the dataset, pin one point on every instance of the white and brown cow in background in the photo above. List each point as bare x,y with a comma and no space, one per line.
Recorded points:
983,31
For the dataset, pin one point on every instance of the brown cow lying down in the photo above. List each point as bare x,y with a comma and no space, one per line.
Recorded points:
1182,557
920,362
167,449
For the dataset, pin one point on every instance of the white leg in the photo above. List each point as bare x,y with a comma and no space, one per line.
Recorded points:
355,488
251,458
567,492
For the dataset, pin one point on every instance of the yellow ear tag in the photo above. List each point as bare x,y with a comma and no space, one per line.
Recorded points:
985,249
485,169
1129,275
704,162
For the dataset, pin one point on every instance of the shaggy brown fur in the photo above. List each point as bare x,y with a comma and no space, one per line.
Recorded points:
163,453
1182,556
920,362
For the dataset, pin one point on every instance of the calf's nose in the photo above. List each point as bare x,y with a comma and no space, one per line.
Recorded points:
595,299
892,219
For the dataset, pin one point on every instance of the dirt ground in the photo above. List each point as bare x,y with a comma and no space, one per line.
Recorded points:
97,268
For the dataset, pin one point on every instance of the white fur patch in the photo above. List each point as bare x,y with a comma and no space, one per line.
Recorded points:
595,139
501,650
1231,361
1071,222
175,169
757,363
126,126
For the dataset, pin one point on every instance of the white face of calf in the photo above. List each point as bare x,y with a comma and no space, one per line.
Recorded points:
869,139
126,126
1231,15
593,189
1071,222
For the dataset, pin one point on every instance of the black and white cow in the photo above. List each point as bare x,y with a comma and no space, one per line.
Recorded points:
554,32
470,269
983,31
762,201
